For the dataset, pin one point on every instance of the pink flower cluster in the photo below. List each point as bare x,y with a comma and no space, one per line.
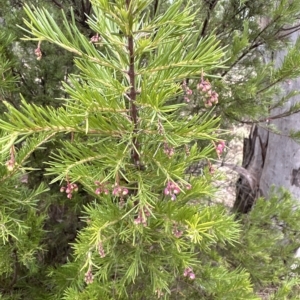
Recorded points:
169,150
101,250
188,272
142,217
119,191
89,277
187,92
172,189
38,52
69,189
10,164
220,147
101,188
176,232
210,96
95,38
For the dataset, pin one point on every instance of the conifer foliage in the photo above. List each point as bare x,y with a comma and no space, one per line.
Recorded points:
124,140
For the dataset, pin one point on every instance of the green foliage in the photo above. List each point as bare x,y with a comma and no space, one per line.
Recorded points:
7,80
38,80
249,86
21,229
147,224
267,244
131,222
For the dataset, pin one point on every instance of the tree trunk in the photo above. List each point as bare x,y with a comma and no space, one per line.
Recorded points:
272,159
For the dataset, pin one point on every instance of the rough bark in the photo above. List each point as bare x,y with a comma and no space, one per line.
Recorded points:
254,155
273,159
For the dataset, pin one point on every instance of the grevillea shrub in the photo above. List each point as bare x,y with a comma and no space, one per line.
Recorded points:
123,139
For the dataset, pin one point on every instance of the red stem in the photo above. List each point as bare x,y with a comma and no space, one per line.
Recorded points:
132,95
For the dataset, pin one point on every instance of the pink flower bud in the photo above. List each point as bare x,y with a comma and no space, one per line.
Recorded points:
187,271
177,233
220,147
189,91
89,277
147,212
208,104
188,186
176,190
95,38
38,53
10,164
101,250
214,96
137,221
204,86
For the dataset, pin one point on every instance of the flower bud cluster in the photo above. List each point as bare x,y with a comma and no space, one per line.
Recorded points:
187,150
38,53
188,272
116,190
176,232
220,147
188,186
101,188
187,92
69,189
101,250
142,217
89,277
119,191
210,96
168,150
160,127
95,38
172,189
10,164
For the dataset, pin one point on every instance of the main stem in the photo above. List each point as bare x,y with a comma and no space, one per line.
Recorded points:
132,95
